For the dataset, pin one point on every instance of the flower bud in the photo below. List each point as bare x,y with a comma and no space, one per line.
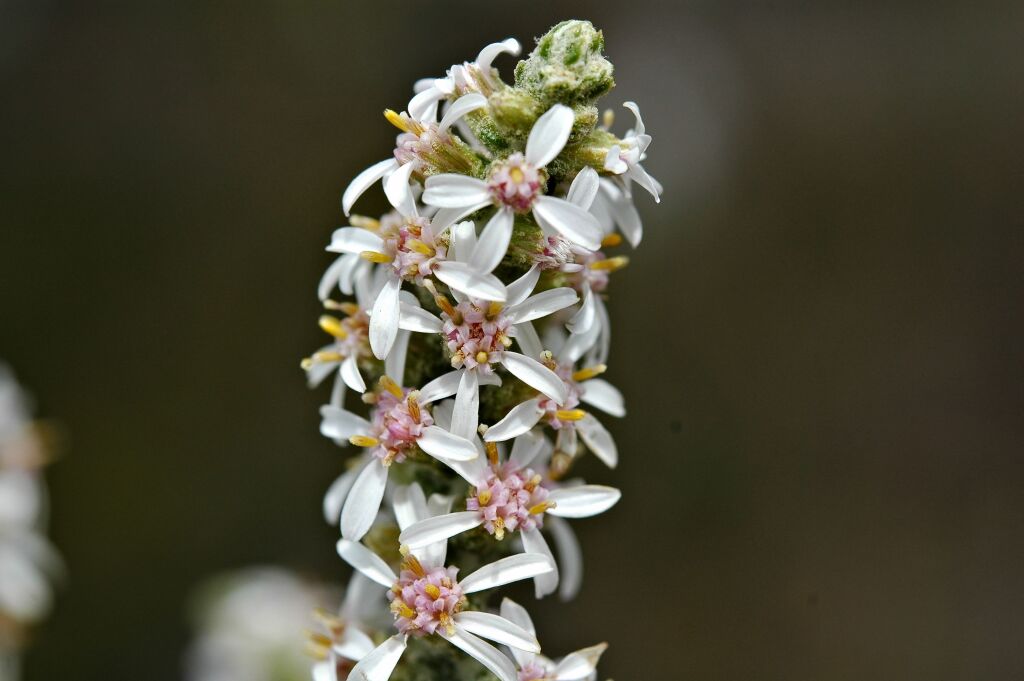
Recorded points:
567,65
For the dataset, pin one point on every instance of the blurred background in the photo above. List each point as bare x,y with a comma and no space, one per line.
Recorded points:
818,339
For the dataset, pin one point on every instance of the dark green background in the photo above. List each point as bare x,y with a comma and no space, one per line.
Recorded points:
818,339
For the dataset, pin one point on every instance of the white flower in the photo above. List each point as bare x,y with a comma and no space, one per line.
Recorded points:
517,185
343,641
625,160
578,666
475,76
427,599
512,496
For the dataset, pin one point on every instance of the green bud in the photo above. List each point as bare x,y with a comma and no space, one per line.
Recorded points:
567,65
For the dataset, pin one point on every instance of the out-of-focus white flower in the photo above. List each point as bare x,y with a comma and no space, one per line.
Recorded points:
578,666
625,159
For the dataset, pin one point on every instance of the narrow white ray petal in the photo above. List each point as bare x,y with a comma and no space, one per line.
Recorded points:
454,191
598,440
445,446
598,354
384,318
350,374
354,644
584,318
364,181
446,217
526,448
533,542
367,562
460,107
482,652
363,500
642,178
463,241
423,106
334,499
578,343
522,287
613,162
327,670
579,665
439,528
498,629
466,416
415,318
338,391
398,191
363,599
625,213
355,240
583,501
339,424
331,277
493,242
605,396
469,280
394,365
378,664
519,419
507,570
316,374
570,221
488,54
542,304
549,135
583,188
517,614
528,340
441,387
473,471
570,557
535,375
638,127
409,505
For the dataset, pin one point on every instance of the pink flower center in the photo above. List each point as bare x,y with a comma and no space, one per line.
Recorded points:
476,334
510,499
397,424
532,672
424,599
515,183
414,248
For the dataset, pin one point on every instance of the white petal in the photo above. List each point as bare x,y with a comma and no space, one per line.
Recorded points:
363,599
332,276
488,54
507,570
493,243
460,107
409,505
463,241
583,501
446,217
570,221
394,365
519,419
363,500
378,665
522,287
542,304
355,240
423,106
445,446
367,562
384,318
570,557
466,416
526,448
350,374
517,614
583,188
415,318
483,652
578,343
473,471
364,181
441,387
336,494
398,191
642,178
549,135
625,213
498,629
354,644
439,528
339,424
585,316
528,340
603,395
598,439
535,375
470,281
579,665
454,191
638,127
326,670
533,542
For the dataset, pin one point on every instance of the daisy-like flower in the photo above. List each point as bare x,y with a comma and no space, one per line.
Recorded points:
578,666
341,640
518,184
476,76
428,599
512,496
625,159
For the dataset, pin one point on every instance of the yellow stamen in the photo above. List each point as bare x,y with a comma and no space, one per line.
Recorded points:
316,649
560,463
412,563
351,309
332,325
332,623
402,610
505,340
492,452
446,621
364,222
493,310
374,256
414,406
396,119
613,239
541,507
364,441
570,414
419,247
388,383
608,118
611,264
484,497
516,174
433,591
532,483
481,357
589,372
499,528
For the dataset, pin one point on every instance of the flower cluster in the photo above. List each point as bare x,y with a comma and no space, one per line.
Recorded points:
476,335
